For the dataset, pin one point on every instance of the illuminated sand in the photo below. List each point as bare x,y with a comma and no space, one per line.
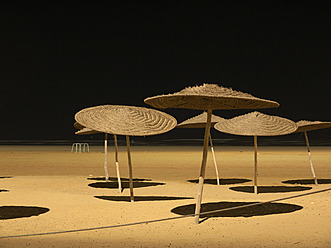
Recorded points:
55,178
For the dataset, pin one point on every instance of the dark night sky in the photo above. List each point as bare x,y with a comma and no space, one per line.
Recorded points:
59,58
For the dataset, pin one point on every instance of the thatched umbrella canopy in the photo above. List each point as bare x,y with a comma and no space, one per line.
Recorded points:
79,126
128,121
88,131
200,121
208,97
256,124
305,126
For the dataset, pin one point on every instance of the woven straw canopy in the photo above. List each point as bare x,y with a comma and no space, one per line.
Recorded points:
199,121
209,97
126,120
79,126
257,124
84,130
304,126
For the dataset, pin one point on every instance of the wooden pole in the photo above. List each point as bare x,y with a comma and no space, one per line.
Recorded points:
310,160
255,164
214,158
106,158
130,168
117,166
203,168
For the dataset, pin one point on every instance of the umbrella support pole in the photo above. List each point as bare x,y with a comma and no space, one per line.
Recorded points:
130,168
106,158
310,160
214,158
203,168
117,166
255,164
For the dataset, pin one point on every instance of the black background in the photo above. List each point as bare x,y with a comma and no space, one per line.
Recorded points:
58,58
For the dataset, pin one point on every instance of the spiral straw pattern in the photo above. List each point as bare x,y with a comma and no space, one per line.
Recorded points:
312,125
209,97
256,124
126,120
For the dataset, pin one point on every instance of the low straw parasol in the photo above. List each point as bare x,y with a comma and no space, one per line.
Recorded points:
208,97
88,131
200,121
305,126
256,124
128,121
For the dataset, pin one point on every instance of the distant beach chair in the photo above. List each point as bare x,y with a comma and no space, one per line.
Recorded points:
80,147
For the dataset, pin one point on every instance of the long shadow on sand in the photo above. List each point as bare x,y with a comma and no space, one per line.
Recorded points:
4,190
13,212
270,189
223,181
115,179
307,181
125,184
257,210
141,198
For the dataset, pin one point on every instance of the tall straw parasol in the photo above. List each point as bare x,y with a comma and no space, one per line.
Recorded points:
256,124
87,131
128,121
200,121
208,97
304,127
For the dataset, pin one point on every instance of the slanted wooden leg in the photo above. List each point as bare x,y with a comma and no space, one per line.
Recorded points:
130,168
203,168
310,160
214,158
117,166
106,158
255,164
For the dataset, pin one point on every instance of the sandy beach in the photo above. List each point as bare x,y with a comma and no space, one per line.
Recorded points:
66,189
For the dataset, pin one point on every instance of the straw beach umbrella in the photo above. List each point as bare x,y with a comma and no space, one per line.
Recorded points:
256,124
200,121
128,121
304,127
88,131
208,97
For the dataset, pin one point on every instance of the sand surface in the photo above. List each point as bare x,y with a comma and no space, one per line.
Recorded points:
56,179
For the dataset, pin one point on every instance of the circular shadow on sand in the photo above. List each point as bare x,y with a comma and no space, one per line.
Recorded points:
307,181
270,189
125,184
141,198
250,211
223,181
13,212
115,179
